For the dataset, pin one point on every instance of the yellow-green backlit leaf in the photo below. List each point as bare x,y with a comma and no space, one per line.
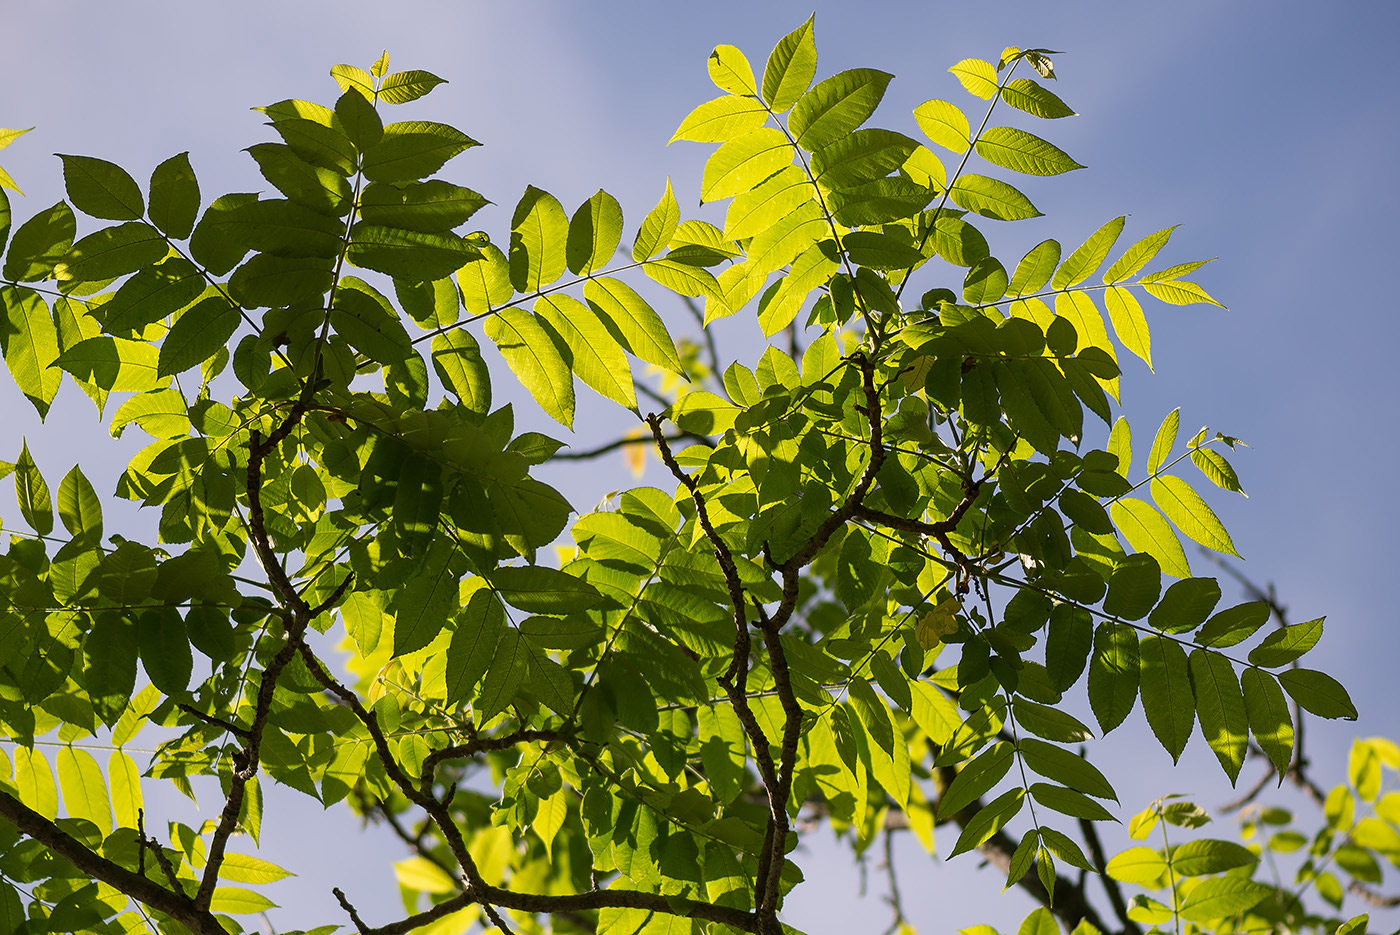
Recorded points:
1147,531
730,71
658,227
721,119
1129,323
945,124
1191,514
1024,152
530,352
977,76
790,68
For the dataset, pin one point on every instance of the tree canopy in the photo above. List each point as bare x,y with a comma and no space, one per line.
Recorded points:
891,563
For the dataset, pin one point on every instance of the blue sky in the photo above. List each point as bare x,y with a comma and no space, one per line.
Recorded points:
1268,131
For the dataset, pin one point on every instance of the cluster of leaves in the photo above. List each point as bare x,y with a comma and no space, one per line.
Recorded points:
1209,880
708,664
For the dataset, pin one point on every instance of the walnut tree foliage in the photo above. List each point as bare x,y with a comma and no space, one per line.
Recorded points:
889,553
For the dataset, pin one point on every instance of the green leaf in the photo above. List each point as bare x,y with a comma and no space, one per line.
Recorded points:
1186,605
1137,256
78,506
238,901
1029,96
1140,865
743,162
1113,674
359,119
404,86
548,680
125,780
989,820
636,325
213,245
480,626
109,662
40,243
318,188
1069,802
1269,718
457,360
543,590
1286,644
197,335
880,251
1221,897
1129,323
1147,531
507,673
1166,692
1082,263
4,217
1050,723
730,71
102,189
1234,624
320,142
976,779
1165,440
1133,588
1221,708
991,198
1318,693
84,791
1065,767
985,282
721,119
284,228
945,124
366,319
432,207
267,281
703,413
1184,507
113,364
413,150
539,232
1216,469
977,76
594,233
658,227
1180,292
1201,857
485,282
426,601
1035,268
241,868
790,68
165,650
862,158
755,211
409,255
35,502
174,197
112,252
1023,152
596,356
532,356
29,342
348,76
836,106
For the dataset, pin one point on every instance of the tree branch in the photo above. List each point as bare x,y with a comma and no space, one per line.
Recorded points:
176,905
